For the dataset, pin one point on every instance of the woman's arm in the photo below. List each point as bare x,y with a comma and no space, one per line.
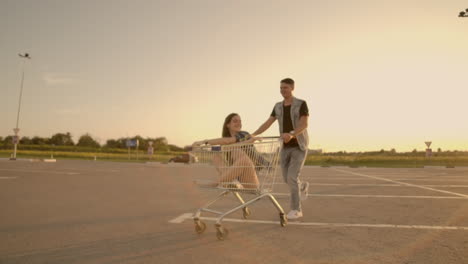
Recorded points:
252,139
216,141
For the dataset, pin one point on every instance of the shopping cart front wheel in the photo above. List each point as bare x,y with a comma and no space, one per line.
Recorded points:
283,220
221,232
200,227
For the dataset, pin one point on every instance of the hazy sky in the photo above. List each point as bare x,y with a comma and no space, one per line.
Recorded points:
375,74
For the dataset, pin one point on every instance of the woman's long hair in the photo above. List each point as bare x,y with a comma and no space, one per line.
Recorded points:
227,120
260,161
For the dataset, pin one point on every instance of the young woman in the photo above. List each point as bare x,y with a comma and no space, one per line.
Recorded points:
236,166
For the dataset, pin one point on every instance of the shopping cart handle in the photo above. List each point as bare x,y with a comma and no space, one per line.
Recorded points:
216,148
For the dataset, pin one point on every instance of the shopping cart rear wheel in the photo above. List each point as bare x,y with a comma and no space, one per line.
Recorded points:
200,227
283,220
221,233
246,211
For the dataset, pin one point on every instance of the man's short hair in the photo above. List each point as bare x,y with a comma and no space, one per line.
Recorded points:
288,81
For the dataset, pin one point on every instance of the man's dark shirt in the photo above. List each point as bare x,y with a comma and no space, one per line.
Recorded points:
287,122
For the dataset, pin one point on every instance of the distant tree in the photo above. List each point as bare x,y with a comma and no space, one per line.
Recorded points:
112,143
175,148
393,151
142,143
382,151
8,140
414,151
26,141
119,143
188,148
87,140
439,150
160,141
61,139
39,140
160,144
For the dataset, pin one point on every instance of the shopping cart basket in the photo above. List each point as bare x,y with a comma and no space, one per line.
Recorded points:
241,168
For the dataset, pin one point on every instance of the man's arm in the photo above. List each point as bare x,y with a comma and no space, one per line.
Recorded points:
264,126
303,123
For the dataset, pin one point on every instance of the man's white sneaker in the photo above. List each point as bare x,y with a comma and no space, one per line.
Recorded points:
294,214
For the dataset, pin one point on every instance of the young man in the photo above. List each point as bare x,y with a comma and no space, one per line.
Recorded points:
292,115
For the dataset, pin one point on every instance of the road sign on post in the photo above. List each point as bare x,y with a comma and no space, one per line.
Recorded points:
150,149
137,144
129,144
428,150
132,143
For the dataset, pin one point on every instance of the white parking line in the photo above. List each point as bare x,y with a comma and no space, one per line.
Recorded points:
43,171
374,184
7,178
375,196
181,218
448,186
396,179
333,179
420,179
346,184
84,170
189,216
403,183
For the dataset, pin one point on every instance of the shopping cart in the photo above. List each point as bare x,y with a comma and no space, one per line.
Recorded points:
241,168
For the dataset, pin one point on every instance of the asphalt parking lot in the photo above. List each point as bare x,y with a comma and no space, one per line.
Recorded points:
107,212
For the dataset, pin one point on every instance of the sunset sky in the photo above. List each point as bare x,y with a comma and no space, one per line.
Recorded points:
375,74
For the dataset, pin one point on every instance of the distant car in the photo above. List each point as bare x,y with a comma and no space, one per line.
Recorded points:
184,158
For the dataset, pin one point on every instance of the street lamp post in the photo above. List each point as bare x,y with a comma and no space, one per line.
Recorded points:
463,13
25,57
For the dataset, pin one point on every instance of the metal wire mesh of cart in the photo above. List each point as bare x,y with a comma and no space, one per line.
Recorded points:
242,168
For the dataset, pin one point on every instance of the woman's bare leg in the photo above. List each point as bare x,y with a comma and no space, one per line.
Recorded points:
219,163
242,170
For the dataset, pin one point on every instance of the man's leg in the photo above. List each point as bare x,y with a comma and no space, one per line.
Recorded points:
284,162
296,163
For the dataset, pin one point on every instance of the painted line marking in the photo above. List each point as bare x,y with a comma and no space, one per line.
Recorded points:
403,183
43,171
434,180
345,184
375,196
189,216
181,218
7,178
397,179
447,186
84,170
373,185
420,179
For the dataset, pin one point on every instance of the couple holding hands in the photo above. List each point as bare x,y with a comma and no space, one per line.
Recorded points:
292,115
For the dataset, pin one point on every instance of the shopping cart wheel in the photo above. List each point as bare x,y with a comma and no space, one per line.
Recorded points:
221,233
283,220
246,211
200,227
